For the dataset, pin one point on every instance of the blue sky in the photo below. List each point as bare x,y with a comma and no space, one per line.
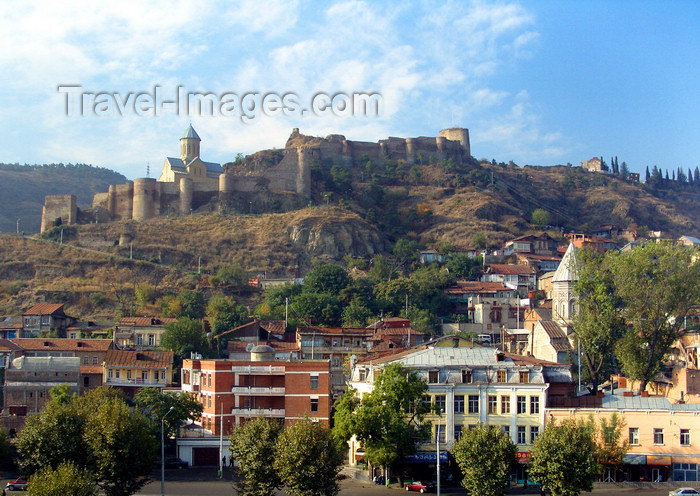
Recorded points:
538,82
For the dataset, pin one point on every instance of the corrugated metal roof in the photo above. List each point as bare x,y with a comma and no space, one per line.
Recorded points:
552,329
619,402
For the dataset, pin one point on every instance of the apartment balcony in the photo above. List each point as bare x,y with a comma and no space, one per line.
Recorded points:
258,391
333,349
258,369
258,412
136,382
190,388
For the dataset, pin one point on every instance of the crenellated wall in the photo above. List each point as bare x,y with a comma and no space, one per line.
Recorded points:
144,198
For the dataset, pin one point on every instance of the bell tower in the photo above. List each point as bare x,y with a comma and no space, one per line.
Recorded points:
189,145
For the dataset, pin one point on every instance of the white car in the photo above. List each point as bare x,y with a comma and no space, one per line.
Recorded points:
683,491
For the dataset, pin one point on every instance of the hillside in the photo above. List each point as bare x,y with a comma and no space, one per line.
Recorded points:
23,188
360,211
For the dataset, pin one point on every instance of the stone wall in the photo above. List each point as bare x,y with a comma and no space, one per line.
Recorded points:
145,198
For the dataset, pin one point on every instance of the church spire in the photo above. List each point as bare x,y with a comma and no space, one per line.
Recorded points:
189,145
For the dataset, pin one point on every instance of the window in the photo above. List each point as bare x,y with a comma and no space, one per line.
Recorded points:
110,373
209,401
94,360
505,405
466,376
634,436
493,404
208,379
524,377
459,403
433,376
86,382
658,436
314,404
162,375
534,405
86,360
685,437
440,433
144,375
151,340
128,374
471,427
314,382
521,435
522,405
501,377
473,403
458,431
440,402
336,362
505,429
534,432
685,472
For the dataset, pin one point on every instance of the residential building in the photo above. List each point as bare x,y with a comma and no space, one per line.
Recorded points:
688,241
10,327
664,437
473,386
131,370
521,278
45,318
541,263
140,333
233,392
28,382
8,352
597,243
337,345
535,244
430,256
592,165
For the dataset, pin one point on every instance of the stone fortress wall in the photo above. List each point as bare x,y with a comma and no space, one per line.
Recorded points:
144,198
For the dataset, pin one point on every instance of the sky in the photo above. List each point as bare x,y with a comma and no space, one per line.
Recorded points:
536,82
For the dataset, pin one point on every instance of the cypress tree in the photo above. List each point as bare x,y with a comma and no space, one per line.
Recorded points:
646,175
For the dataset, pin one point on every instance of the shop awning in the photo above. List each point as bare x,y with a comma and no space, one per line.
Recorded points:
659,460
634,459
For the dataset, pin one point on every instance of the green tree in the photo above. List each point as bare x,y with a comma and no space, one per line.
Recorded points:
183,337
356,314
479,241
598,323
65,479
382,269
611,442
326,278
658,284
96,432
562,458
224,313
462,266
485,456
389,421
308,459
318,309
155,404
253,446
405,252
232,275
122,448
540,217
192,304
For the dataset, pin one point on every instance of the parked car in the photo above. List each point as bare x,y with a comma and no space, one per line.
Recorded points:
19,484
683,491
175,462
419,486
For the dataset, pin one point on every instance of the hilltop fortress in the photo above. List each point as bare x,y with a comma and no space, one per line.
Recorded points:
188,183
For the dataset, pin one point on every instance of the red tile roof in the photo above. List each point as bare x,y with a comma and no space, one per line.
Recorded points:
44,309
11,323
7,345
141,359
335,330
63,344
278,346
466,287
273,326
509,269
91,369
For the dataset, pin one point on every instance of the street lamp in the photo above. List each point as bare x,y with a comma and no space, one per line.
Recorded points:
162,451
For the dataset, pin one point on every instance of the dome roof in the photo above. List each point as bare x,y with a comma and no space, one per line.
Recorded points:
262,348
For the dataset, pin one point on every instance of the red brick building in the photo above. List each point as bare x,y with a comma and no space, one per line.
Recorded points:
239,390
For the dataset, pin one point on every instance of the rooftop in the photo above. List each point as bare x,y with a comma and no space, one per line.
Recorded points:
44,309
63,344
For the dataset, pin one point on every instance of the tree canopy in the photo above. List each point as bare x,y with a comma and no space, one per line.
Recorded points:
98,433
389,421
485,456
155,404
184,336
563,458
253,446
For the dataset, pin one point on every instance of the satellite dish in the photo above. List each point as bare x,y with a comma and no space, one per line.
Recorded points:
249,347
